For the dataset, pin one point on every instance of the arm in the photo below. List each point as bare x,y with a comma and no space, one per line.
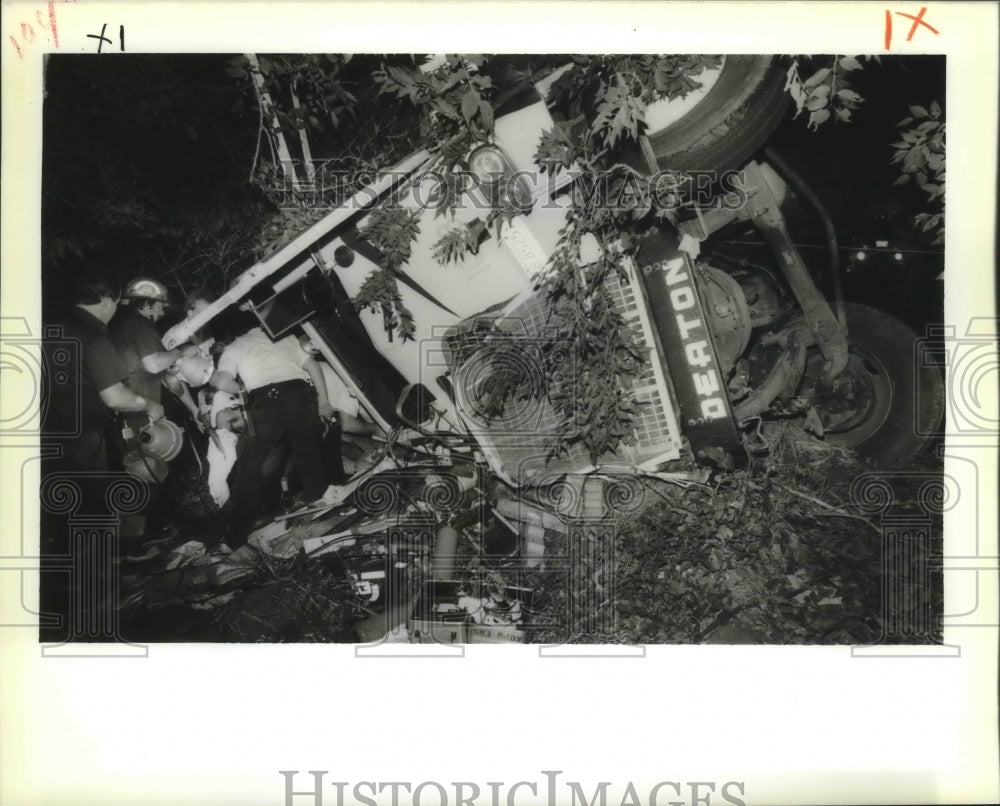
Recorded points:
107,372
182,393
226,382
310,366
120,398
157,362
355,425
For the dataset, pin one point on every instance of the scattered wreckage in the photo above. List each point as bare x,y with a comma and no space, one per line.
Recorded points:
727,343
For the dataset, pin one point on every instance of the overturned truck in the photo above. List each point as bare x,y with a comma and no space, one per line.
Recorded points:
725,343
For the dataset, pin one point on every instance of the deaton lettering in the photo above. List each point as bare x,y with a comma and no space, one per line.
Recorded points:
694,338
312,789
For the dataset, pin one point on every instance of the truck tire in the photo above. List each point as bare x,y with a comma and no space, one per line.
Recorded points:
738,113
884,405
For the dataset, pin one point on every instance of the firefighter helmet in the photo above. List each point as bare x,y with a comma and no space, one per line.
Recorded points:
146,288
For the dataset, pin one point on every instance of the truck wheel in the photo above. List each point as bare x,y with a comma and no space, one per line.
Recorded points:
723,130
882,405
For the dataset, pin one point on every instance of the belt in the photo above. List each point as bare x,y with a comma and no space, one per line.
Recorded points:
273,389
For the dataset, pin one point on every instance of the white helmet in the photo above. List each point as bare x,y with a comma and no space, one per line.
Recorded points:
147,288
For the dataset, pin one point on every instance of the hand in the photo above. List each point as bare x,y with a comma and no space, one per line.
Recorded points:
154,410
196,416
327,412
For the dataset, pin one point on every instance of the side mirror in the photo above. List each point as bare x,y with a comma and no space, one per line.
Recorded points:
414,405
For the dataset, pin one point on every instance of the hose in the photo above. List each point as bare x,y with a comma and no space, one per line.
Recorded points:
807,193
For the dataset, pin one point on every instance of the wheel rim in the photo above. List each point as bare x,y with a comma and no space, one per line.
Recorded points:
861,398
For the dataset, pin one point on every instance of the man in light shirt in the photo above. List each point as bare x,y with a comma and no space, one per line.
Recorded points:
286,397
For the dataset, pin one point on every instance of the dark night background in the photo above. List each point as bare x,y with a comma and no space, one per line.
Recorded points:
147,165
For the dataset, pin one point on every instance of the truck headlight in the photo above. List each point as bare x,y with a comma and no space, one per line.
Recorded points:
488,164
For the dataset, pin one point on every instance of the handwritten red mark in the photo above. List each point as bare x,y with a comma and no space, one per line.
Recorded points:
917,22
48,23
52,22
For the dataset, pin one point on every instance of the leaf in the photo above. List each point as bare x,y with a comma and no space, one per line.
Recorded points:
902,180
935,110
918,111
818,117
486,115
816,78
914,161
619,112
470,104
843,114
445,108
849,63
819,98
849,96
935,162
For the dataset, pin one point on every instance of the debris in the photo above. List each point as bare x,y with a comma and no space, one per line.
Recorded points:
443,562
448,613
240,563
191,553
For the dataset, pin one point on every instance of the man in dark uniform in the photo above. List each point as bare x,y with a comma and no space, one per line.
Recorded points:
81,400
134,332
84,386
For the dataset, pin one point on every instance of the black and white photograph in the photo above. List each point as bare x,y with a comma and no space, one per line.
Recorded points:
376,372
546,348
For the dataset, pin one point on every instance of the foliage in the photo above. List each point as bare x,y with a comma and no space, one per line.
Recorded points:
453,99
317,98
827,94
392,231
920,154
611,93
748,558
459,241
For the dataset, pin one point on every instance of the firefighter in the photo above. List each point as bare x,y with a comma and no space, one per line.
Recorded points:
133,329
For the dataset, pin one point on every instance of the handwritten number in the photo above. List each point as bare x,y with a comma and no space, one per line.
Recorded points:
51,23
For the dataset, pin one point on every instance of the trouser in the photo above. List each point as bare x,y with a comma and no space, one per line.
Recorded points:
333,462
78,523
279,410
